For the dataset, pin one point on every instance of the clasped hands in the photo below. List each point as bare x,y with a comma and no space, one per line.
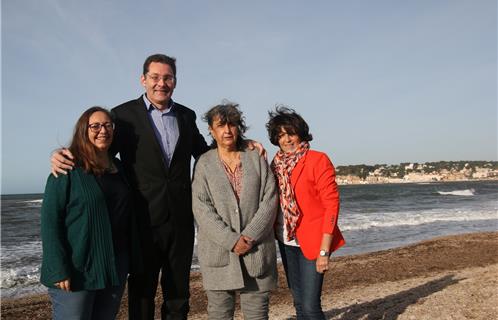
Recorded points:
243,245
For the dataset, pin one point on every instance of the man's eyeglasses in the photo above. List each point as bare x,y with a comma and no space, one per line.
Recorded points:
96,127
156,78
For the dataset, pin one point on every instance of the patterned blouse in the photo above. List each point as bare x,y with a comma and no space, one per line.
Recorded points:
235,178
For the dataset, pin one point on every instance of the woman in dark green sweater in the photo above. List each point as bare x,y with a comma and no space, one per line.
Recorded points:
85,223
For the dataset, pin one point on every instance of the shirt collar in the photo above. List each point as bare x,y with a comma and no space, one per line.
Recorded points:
149,106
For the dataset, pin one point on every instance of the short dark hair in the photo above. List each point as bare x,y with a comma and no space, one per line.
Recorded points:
82,149
161,58
228,112
288,119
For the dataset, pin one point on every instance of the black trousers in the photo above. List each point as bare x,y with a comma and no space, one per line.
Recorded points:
167,258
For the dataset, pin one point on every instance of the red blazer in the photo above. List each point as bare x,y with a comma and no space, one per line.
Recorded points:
313,180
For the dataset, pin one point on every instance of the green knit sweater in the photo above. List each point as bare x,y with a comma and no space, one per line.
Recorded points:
76,233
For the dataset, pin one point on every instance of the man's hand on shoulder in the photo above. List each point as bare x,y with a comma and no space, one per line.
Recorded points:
251,144
61,161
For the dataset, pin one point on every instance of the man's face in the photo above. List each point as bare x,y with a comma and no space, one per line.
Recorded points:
159,84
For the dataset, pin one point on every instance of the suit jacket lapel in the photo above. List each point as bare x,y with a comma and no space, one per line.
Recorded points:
181,127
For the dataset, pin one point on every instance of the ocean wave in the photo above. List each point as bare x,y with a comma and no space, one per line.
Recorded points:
466,192
12,253
32,201
19,277
369,221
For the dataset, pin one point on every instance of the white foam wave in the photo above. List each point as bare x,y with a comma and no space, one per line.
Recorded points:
466,192
397,219
19,277
33,201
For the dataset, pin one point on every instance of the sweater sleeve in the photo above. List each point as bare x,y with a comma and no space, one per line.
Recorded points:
263,220
56,262
328,192
206,215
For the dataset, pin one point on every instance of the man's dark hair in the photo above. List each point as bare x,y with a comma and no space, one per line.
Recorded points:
290,121
228,112
161,58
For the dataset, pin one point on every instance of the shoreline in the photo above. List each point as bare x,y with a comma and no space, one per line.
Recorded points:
434,265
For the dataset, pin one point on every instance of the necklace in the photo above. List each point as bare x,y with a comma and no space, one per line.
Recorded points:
230,162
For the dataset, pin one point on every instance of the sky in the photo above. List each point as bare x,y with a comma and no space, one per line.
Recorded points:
377,81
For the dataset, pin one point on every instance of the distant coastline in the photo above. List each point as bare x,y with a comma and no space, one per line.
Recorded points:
442,171
346,180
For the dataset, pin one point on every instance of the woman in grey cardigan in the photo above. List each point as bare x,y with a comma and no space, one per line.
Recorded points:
234,203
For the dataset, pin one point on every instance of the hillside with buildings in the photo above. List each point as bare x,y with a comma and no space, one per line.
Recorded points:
418,172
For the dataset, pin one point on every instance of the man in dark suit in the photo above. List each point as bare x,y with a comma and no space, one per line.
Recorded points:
156,139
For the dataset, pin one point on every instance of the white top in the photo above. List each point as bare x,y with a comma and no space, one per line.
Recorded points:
281,230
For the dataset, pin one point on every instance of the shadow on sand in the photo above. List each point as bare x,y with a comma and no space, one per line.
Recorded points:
390,307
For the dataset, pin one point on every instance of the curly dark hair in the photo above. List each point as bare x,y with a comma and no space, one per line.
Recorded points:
286,118
228,112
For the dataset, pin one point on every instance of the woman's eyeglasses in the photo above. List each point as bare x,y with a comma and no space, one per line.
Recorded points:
97,126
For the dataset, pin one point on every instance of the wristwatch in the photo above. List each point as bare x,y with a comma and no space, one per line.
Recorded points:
324,253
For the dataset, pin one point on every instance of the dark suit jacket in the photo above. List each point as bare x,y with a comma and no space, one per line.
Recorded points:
162,193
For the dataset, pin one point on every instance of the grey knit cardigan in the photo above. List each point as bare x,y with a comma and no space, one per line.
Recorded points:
221,222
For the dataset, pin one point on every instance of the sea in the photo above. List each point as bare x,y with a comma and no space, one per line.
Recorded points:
372,218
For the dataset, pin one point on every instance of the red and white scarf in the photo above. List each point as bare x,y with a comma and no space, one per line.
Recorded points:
282,166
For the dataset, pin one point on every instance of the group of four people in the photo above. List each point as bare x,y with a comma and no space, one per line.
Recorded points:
107,220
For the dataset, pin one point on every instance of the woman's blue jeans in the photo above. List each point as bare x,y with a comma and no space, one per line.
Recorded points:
304,281
90,304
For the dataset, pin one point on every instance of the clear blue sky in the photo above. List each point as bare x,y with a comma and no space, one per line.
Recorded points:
377,81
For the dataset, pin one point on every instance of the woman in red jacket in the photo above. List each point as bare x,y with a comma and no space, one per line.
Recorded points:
306,226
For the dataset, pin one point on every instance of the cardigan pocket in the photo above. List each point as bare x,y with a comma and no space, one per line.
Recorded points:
261,259
212,255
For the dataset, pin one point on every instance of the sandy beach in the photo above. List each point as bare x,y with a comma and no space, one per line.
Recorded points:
453,277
